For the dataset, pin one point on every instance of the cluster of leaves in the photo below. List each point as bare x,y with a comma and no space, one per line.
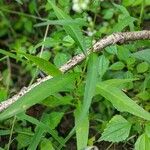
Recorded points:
107,95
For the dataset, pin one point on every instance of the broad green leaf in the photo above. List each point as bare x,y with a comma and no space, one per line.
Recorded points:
46,145
44,65
50,120
121,101
82,129
117,66
143,142
123,53
142,67
38,94
125,14
117,130
73,30
143,55
123,23
42,125
60,59
77,21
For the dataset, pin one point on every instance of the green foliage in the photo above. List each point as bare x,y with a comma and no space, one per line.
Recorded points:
117,129
143,55
44,65
142,143
37,38
41,92
73,30
120,100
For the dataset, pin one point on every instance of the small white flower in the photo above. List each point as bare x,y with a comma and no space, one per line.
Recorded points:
83,5
86,1
79,5
76,7
75,1
89,19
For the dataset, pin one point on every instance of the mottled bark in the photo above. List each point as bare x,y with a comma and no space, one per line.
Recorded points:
121,38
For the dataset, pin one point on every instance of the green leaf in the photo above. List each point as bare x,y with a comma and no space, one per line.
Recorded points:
3,94
143,55
37,94
60,59
118,82
73,30
44,65
46,145
117,66
53,119
42,125
64,22
19,1
54,101
142,67
123,23
50,120
123,53
125,13
147,129
9,54
143,143
117,130
144,95
92,77
103,65
82,129
81,116
121,101
23,140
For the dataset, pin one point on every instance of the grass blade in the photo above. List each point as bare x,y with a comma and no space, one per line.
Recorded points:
73,30
81,117
78,22
41,125
82,129
51,120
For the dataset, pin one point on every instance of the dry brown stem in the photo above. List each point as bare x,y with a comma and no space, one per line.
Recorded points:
121,38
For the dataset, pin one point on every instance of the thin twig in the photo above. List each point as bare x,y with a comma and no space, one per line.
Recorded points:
120,37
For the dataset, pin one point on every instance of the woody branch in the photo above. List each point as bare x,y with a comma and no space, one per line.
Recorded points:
120,37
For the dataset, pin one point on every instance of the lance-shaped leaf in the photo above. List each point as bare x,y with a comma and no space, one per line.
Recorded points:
121,101
73,30
81,115
44,65
38,93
